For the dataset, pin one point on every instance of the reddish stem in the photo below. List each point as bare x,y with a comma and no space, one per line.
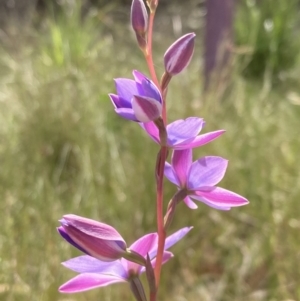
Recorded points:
153,296
160,160
159,212
148,53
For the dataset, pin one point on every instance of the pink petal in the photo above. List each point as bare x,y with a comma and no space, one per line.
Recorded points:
199,140
190,203
88,281
223,197
152,130
143,246
181,162
207,171
210,204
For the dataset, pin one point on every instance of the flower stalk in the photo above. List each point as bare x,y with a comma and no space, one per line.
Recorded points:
107,259
159,212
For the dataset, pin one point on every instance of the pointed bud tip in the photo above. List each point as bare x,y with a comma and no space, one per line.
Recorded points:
179,54
97,239
139,16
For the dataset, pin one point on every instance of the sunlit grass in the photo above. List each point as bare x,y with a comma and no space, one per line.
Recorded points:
63,150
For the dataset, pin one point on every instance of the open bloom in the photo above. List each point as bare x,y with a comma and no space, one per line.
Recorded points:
183,133
137,100
199,178
95,273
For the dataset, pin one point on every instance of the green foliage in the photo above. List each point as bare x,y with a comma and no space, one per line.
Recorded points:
269,29
63,150
65,45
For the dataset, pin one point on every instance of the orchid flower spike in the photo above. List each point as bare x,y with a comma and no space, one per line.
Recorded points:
183,134
199,178
94,273
137,100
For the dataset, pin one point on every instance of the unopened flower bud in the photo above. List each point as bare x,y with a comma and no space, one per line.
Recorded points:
139,22
96,239
179,54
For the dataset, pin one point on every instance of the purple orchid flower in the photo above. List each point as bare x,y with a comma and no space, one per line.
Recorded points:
94,273
183,133
199,179
137,100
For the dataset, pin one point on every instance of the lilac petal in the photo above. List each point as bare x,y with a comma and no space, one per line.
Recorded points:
181,162
151,90
211,204
126,88
126,113
152,130
116,101
199,140
88,281
88,264
146,109
181,130
207,171
171,240
222,197
66,236
190,203
146,87
143,246
175,237
139,76
170,174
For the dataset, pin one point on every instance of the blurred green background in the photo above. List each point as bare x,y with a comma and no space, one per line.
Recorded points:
63,149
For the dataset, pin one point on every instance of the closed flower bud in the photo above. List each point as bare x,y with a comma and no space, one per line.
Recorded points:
179,54
139,21
96,239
